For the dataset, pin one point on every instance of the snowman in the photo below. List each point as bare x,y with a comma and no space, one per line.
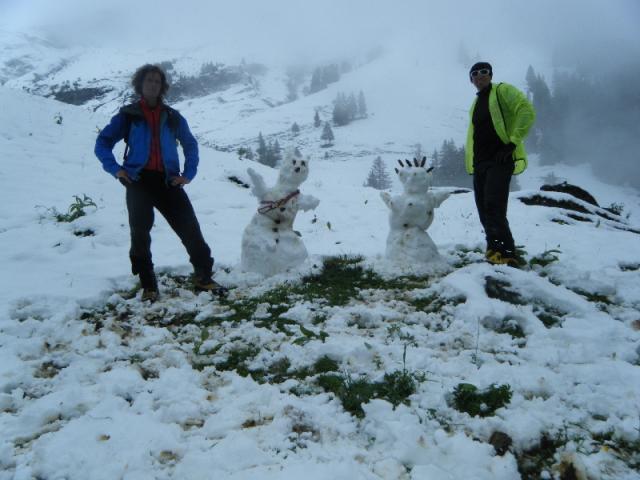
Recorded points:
408,243
269,243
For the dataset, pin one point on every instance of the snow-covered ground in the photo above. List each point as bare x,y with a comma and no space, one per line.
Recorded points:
96,385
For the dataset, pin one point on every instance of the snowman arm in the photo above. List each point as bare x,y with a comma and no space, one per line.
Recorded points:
439,197
258,188
386,198
307,202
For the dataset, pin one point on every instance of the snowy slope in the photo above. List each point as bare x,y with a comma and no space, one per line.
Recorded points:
414,95
115,393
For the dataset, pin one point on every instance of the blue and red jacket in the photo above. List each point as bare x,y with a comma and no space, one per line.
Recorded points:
173,128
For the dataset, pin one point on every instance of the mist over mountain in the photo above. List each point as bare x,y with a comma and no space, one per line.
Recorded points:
410,60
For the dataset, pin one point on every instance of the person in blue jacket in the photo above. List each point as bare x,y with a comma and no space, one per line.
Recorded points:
151,176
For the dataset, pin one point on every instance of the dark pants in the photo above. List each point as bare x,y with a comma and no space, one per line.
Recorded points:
150,192
491,188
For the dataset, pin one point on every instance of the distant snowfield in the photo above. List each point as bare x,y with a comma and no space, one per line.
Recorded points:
97,415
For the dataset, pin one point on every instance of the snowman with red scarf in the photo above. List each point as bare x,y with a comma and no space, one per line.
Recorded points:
270,245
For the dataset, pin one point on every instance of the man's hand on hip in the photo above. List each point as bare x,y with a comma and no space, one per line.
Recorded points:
123,176
505,154
179,181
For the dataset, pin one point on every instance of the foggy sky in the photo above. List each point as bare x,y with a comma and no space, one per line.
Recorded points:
589,31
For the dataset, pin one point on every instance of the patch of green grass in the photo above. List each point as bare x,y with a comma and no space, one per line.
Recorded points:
76,209
308,335
278,324
464,257
593,297
237,359
626,450
319,318
178,319
339,280
396,387
484,403
545,258
325,364
434,303
499,290
245,308
532,462
331,383
510,326
280,370
549,316
276,373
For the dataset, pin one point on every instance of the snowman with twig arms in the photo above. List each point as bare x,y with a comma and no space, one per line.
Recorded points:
411,214
270,245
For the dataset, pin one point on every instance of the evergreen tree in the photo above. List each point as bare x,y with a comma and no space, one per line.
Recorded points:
530,78
341,114
323,76
378,177
417,151
316,120
245,152
295,128
331,74
276,154
262,149
317,81
362,105
449,167
545,135
327,135
352,107
269,159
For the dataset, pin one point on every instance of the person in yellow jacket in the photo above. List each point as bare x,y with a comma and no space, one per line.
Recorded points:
500,118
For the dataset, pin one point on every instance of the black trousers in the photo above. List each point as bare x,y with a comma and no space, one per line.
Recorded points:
150,192
491,188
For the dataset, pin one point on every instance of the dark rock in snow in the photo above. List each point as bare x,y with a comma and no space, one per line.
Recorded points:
572,190
501,442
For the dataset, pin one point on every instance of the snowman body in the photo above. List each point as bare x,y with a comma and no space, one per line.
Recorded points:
411,214
270,245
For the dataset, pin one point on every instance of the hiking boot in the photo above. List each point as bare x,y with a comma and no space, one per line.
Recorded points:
498,258
205,283
149,285
149,295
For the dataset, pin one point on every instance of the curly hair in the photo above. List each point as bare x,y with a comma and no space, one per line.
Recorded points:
138,78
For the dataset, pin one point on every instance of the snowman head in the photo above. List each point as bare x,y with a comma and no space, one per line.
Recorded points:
294,169
415,177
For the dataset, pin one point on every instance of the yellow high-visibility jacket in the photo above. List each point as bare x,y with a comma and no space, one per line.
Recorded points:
512,116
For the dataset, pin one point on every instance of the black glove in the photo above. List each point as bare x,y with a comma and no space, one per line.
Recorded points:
505,154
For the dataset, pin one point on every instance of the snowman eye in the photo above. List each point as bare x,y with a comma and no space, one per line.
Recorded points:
294,162
304,163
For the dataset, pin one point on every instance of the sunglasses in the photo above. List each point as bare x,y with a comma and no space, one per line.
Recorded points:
482,71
